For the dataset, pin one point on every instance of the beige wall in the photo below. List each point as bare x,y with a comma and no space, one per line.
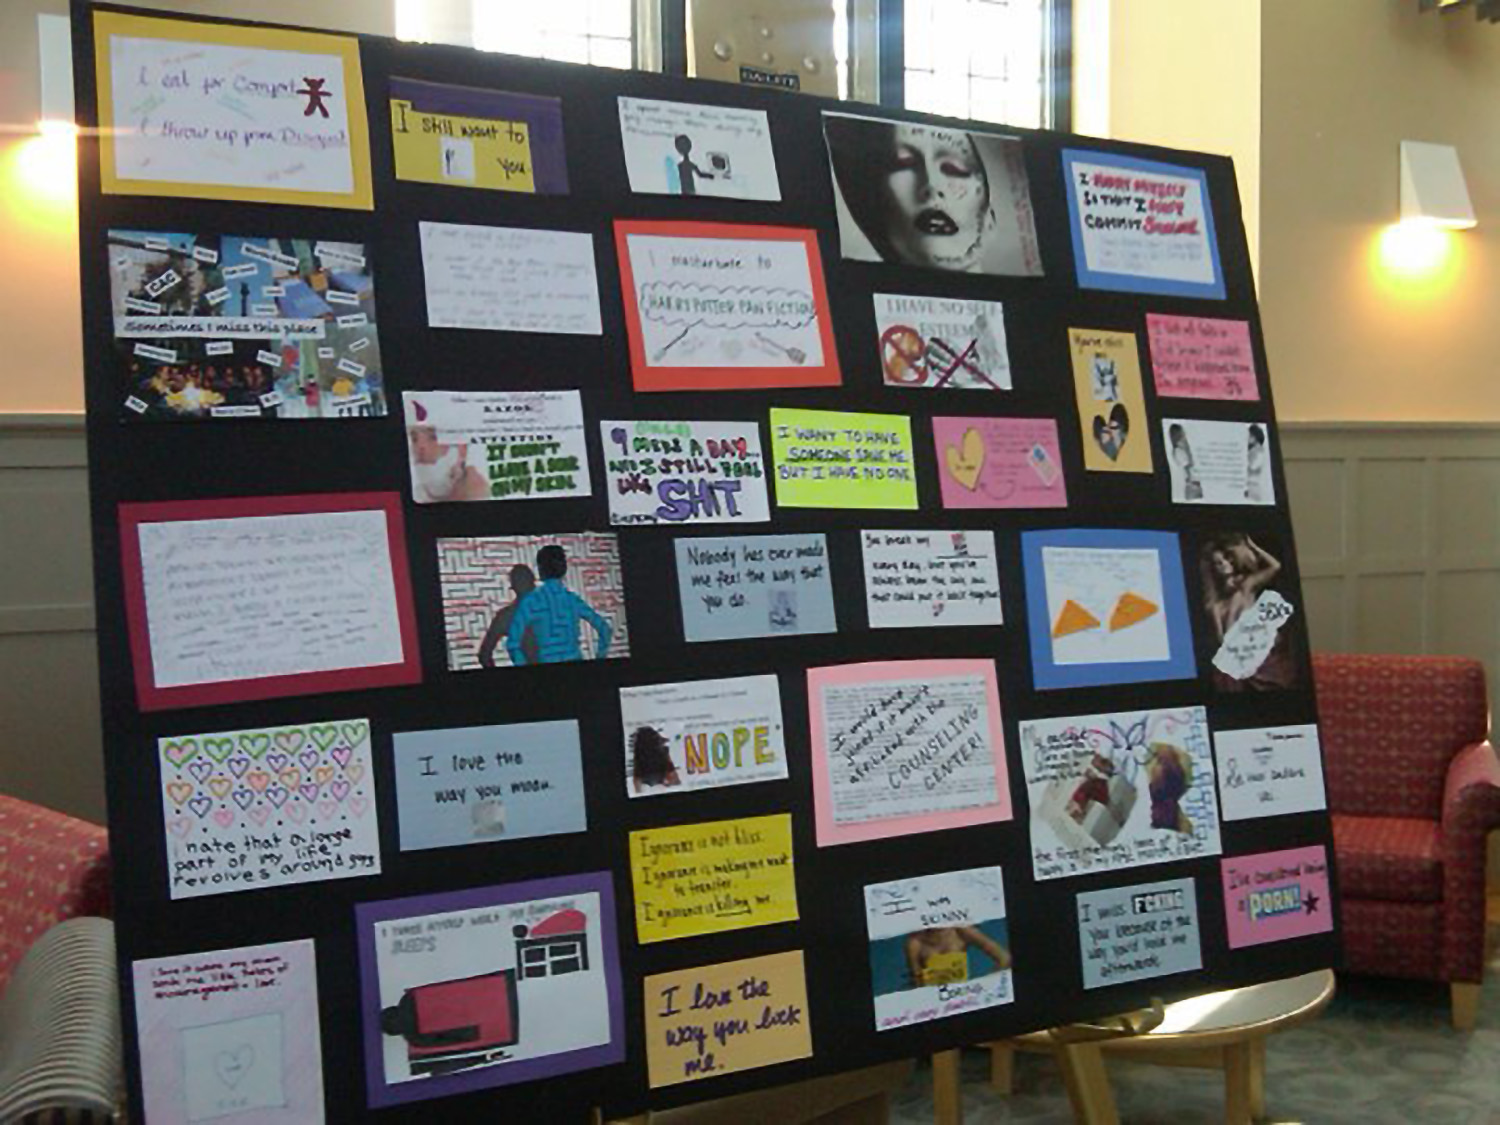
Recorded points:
39,319
43,369
1311,100
1344,81
1180,73
1393,477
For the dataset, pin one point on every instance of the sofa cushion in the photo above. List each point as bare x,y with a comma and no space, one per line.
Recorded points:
1393,859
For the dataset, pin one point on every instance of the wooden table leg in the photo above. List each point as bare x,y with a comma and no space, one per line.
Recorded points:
1238,1095
1465,1005
1002,1068
947,1098
1258,1079
1088,1084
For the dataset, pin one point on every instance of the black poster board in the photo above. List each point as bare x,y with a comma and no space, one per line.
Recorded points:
143,461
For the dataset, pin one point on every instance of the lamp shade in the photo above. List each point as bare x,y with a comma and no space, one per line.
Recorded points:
1433,189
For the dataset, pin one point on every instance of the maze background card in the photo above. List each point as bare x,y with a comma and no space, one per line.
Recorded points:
481,578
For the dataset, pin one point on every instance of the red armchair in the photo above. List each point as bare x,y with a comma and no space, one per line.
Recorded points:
59,1004
1414,789
52,867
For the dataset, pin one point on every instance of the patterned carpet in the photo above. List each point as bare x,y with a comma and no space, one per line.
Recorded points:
1382,1054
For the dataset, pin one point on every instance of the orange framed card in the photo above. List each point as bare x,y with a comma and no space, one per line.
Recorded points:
725,306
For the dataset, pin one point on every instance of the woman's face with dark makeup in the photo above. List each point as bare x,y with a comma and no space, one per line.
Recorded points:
936,198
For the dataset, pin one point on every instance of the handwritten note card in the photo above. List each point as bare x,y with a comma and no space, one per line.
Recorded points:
1269,771
468,137
718,1019
1202,357
706,878
479,785
702,734
680,148
942,343
225,112
999,463
754,586
1136,933
917,578
1251,639
939,945
1141,226
1219,462
1276,896
231,1032
837,459
204,627
1119,790
268,807
684,472
509,279
906,746
496,445
249,606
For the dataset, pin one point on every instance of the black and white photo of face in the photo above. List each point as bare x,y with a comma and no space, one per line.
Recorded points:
929,195
936,199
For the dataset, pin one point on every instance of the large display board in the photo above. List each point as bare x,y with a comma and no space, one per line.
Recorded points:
617,591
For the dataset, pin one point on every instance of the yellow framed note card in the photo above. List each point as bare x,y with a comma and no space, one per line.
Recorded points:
218,111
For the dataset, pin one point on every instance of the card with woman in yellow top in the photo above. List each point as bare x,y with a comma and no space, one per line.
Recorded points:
939,945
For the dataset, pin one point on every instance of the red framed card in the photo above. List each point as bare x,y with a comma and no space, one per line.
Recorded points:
725,306
258,597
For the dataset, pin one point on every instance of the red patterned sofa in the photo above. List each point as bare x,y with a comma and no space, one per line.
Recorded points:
52,866
1414,789
59,1005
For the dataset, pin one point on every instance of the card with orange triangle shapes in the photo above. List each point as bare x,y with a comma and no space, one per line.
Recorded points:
1106,606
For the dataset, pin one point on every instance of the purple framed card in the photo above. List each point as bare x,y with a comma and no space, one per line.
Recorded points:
487,987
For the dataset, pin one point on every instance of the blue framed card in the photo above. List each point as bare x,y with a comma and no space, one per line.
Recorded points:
1141,226
1106,607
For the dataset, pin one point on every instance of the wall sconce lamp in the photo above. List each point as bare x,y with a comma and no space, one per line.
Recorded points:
55,41
1433,190
1419,258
